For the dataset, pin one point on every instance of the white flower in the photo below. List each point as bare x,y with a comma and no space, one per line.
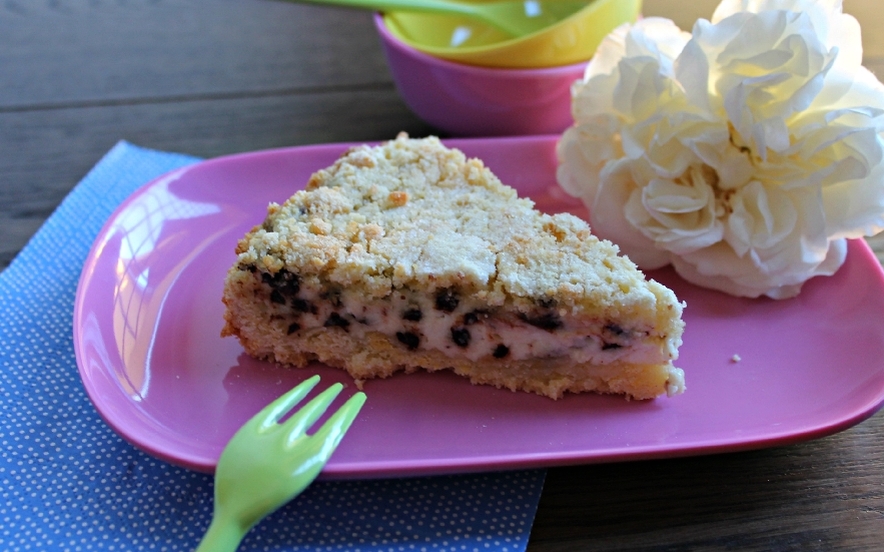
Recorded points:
744,153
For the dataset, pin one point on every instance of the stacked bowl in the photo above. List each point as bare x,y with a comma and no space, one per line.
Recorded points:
467,78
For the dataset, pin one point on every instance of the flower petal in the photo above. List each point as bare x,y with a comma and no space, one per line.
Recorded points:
744,153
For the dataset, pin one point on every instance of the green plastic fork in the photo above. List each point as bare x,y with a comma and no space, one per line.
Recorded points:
267,463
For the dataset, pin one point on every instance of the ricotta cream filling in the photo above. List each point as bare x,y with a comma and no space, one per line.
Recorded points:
466,331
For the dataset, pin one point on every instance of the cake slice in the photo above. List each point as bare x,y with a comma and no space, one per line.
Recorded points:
410,256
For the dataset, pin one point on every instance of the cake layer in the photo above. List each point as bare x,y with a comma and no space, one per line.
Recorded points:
415,255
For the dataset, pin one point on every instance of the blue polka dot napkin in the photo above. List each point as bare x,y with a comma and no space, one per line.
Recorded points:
68,482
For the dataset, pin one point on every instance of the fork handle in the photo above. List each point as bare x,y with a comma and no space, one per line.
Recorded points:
223,535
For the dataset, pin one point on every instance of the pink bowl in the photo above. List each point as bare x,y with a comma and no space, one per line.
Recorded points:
466,100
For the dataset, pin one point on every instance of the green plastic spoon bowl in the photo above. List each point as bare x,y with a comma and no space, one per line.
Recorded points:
513,18
573,39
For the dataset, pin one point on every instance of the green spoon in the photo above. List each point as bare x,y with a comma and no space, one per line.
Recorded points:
513,17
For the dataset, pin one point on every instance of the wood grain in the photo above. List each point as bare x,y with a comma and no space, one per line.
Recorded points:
684,13
76,52
54,148
823,495
212,77
208,78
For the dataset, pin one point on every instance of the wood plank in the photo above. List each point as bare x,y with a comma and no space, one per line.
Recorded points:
211,77
821,495
43,153
87,52
684,14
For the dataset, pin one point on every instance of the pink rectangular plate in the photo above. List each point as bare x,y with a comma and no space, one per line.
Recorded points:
148,318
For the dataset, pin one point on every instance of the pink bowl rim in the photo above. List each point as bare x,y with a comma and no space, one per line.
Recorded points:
389,38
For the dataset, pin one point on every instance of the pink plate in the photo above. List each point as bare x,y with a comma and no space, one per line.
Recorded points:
148,317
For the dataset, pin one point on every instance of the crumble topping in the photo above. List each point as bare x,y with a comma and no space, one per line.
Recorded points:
414,242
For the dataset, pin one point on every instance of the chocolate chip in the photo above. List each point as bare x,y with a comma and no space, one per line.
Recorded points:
281,277
414,315
277,297
460,336
474,317
545,321
293,327
446,300
409,339
335,320
613,336
333,296
501,351
290,289
284,283
302,305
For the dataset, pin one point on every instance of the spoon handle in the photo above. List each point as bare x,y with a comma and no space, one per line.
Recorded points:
427,6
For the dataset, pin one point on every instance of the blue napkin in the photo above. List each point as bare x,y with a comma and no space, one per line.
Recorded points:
68,482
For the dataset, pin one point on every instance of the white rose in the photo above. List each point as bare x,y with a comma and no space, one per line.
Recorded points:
744,153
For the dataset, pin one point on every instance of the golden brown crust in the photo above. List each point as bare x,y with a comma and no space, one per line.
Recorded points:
415,217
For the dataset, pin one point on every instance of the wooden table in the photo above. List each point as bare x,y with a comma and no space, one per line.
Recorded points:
212,77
